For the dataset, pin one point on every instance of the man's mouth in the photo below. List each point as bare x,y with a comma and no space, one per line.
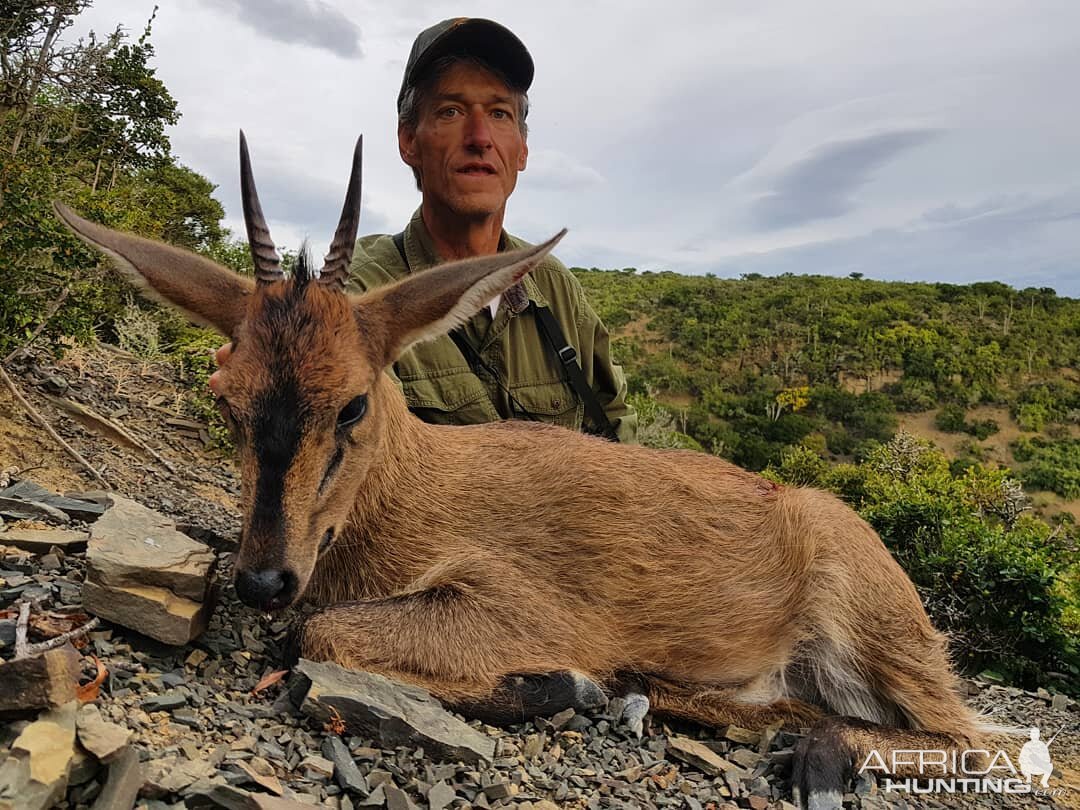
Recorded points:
476,169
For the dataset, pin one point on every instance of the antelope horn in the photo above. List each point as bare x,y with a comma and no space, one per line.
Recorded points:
335,269
265,256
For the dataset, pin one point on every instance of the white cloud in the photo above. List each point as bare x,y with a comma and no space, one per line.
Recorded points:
838,133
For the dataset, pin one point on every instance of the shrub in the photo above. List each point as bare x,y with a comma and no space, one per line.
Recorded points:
1032,416
801,466
982,429
950,419
990,575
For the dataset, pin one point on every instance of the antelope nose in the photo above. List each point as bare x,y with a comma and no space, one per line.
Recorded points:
266,589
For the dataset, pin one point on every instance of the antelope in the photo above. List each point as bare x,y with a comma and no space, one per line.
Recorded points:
517,568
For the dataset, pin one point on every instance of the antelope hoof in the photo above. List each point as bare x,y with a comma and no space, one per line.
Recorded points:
587,693
821,768
633,716
545,695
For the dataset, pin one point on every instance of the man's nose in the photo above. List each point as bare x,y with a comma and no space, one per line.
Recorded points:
478,130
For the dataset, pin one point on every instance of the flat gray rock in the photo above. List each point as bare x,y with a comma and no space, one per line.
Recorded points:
131,545
394,714
19,509
145,575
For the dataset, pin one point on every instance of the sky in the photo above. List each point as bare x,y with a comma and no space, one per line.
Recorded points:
913,140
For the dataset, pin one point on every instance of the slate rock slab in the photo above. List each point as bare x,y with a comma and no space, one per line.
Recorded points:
74,508
19,509
395,714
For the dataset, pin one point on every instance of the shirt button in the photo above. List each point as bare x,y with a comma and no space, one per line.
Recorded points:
556,403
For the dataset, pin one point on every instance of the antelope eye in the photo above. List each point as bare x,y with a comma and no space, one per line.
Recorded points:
353,412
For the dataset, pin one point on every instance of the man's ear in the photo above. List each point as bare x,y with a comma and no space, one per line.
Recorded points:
524,156
407,145
206,292
431,303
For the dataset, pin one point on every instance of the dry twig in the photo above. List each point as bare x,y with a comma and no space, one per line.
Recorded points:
21,628
63,638
37,417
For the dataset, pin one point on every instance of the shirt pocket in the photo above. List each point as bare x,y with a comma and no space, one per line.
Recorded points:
449,398
552,402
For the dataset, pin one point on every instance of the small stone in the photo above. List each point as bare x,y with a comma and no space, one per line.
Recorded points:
558,721
865,784
48,747
741,735
758,802
38,682
534,744
377,798
396,714
1059,702
396,798
745,757
500,790
103,739
699,755
346,773
440,796
317,765
196,658
165,702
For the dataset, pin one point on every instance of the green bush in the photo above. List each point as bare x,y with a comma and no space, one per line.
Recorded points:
801,466
982,429
990,575
1051,465
950,419
1032,416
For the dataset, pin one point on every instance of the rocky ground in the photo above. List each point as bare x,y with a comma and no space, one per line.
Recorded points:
191,726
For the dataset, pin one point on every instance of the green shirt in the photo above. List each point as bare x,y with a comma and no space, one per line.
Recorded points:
438,383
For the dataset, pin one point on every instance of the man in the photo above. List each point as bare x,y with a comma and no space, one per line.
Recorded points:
461,128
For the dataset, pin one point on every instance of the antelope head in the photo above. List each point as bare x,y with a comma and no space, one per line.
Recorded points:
303,391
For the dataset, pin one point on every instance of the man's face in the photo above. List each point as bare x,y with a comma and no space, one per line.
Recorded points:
467,144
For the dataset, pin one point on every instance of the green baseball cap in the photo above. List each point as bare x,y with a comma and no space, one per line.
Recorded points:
473,36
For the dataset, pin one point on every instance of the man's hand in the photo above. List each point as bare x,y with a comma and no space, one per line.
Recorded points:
221,356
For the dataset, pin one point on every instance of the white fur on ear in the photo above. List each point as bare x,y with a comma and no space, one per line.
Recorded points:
501,277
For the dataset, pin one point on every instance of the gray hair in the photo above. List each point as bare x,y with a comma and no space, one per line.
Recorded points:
412,102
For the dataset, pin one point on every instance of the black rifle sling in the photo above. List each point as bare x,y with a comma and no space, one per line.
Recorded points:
567,356
556,342
468,351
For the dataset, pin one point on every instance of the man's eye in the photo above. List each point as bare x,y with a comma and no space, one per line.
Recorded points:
500,114
353,412
448,112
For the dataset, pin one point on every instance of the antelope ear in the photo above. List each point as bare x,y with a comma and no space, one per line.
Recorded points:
429,304
206,292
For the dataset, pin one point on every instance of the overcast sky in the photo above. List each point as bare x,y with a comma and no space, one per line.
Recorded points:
909,139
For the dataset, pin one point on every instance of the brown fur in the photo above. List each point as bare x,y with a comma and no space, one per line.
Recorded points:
464,554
